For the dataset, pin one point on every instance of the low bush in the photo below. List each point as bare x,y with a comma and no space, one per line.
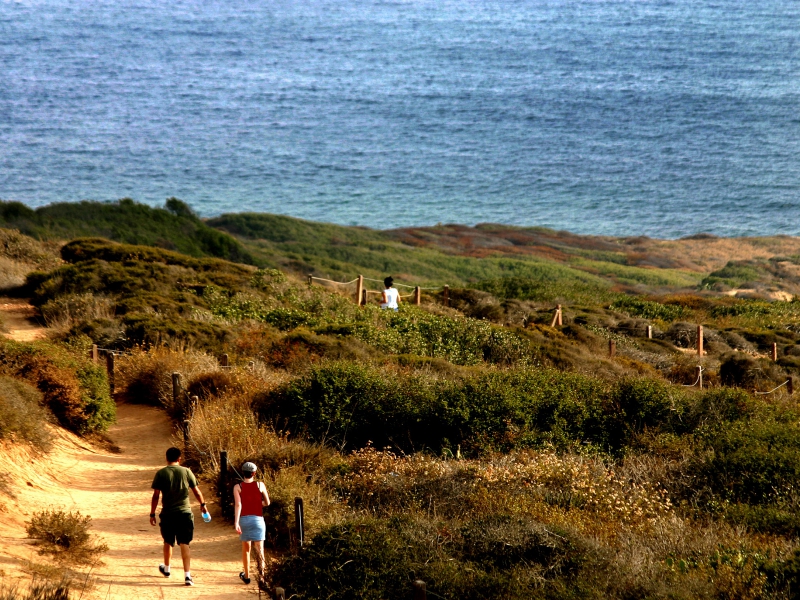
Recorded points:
742,370
73,388
353,405
753,461
495,557
22,418
66,311
647,309
212,384
65,535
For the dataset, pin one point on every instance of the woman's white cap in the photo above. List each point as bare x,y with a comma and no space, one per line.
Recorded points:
249,467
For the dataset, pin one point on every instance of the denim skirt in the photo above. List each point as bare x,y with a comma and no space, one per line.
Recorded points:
253,528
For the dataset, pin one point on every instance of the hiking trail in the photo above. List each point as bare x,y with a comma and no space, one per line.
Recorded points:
17,318
114,489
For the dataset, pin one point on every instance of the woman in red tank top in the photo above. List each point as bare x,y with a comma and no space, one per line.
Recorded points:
250,497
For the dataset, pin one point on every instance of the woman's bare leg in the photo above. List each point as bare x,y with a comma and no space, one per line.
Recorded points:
246,558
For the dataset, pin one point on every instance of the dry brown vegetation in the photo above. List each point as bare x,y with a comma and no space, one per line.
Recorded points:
20,254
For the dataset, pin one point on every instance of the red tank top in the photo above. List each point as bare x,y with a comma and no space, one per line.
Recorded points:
251,499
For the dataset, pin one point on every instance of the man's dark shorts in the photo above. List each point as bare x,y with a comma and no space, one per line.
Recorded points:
177,526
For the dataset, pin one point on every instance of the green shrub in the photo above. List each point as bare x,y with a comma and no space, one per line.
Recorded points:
733,274
742,370
784,576
754,461
549,282
64,535
498,557
639,405
647,309
460,341
351,404
175,226
73,388
712,407
22,418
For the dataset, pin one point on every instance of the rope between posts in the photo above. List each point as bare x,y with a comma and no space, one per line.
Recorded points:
397,284
699,375
336,282
777,388
411,287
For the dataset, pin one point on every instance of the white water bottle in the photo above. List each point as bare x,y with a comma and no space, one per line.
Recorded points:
206,516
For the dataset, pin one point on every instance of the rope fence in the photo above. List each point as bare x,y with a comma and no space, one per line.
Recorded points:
699,378
362,293
789,388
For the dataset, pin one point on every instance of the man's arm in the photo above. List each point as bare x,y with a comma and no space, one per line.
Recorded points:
199,495
153,507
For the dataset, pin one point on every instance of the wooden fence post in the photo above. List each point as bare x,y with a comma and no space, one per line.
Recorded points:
223,361
186,424
557,317
222,485
110,370
649,332
446,295
176,388
363,297
699,340
310,279
417,296
360,291
95,355
560,315
774,352
280,594
700,376
420,590
612,348
790,385
299,525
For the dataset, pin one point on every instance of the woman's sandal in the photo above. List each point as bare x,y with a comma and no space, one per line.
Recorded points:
243,578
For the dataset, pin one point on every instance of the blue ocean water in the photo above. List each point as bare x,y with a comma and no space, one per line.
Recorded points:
656,117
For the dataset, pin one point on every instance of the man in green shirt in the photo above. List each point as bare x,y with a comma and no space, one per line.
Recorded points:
173,483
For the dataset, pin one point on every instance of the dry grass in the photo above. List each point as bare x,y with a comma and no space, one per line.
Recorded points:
20,254
65,312
145,376
38,589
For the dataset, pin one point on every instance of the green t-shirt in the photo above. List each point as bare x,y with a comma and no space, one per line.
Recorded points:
174,483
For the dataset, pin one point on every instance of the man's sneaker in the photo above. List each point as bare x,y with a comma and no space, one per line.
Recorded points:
189,581
163,570
243,578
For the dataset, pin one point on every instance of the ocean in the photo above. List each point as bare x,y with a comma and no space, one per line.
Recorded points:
618,117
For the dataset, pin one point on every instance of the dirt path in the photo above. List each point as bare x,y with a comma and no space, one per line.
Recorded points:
17,319
114,489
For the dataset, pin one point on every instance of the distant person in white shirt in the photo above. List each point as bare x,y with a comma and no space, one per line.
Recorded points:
390,298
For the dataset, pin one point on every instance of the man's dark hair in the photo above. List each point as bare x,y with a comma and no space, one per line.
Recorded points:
173,454
388,282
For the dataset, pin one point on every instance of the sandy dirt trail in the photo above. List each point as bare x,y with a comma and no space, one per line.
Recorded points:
17,318
114,489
